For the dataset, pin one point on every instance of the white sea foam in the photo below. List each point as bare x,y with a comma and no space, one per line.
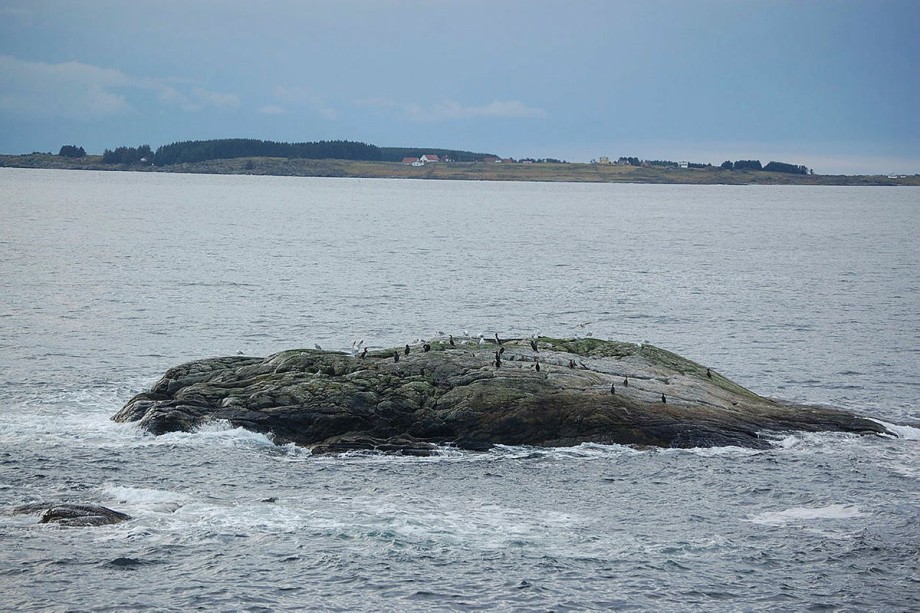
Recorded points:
216,432
712,452
802,514
141,495
909,433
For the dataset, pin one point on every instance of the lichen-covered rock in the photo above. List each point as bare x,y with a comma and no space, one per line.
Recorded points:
546,392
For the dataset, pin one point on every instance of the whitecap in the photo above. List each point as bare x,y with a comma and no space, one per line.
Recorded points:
801,514
214,432
141,495
910,433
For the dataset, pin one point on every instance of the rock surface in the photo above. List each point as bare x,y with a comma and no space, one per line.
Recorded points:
548,392
68,514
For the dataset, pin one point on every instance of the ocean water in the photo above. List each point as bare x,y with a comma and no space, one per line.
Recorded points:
810,294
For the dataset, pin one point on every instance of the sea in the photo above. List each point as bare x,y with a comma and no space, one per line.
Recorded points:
807,294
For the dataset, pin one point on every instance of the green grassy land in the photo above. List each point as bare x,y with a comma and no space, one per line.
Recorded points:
472,171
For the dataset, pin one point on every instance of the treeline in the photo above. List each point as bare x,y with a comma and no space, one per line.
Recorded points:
128,155
770,167
72,151
634,161
188,152
397,154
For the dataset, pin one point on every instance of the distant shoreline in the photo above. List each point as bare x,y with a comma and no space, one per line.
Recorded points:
466,171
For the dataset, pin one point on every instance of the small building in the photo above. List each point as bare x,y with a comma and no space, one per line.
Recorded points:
429,157
683,164
409,161
603,160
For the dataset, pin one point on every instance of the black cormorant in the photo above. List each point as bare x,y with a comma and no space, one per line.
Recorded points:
395,356
533,345
613,389
406,350
664,400
625,381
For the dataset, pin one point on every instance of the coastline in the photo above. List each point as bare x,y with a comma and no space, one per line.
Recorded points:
466,171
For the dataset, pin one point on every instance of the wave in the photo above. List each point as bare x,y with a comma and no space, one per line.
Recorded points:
802,514
910,433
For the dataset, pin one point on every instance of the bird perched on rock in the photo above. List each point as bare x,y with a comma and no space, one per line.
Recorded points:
664,400
498,360
533,345
537,365
451,340
426,347
498,340
708,374
625,381
406,350
364,353
395,356
613,389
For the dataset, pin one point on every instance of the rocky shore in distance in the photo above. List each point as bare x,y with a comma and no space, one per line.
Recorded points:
474,394
459,171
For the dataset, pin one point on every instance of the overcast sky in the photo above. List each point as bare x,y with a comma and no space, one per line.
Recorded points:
833,85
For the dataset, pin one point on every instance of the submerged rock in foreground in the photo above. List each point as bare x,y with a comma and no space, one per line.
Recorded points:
549,393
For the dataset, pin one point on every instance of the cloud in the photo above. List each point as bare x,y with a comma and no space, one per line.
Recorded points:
272,109
449,110
215,99
74,90
305,98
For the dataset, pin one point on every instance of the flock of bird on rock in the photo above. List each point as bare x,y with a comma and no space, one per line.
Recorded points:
358,349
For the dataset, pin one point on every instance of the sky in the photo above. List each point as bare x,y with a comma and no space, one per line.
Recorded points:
831,84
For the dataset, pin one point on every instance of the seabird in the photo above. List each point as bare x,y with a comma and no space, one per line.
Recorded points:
501,350
426,347
498,360
364,353
664,400
613,389
708,374
451,341
317,346
395,356
625,381
406,350
533,345
537,366
498,340
571,363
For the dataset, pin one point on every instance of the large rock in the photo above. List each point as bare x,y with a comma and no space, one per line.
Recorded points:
67,514
556,394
